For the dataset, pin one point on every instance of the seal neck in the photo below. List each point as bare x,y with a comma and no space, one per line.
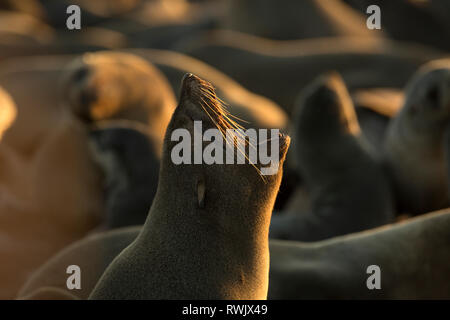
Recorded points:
213,245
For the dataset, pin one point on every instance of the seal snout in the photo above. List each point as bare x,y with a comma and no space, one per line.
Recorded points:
284,142
190,84
326,91
198,98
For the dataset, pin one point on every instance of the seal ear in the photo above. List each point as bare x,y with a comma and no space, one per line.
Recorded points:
201,190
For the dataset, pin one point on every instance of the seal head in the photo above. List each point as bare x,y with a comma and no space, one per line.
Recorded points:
414,146
114,85
206,236
348,189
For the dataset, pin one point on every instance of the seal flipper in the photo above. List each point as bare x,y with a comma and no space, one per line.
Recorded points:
349,191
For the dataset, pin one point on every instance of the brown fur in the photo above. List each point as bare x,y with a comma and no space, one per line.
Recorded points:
92,254
286,19
412,256
414,150
109,85
52,200
256,110
349,191
32,84
255,62
192,245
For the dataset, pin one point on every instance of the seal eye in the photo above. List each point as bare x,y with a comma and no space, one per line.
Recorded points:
201,190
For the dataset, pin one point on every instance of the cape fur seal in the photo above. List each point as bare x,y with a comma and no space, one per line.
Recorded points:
413,21
31,82
192,246
11,165
111,85
363,63
93,12
256,110
374,109
412,256
287,19
8,111
129,157
59,200
93,254
249,109
31,7
348,189
414,146
26,26
50,294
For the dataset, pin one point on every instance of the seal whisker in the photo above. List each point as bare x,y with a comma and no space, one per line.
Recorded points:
215,108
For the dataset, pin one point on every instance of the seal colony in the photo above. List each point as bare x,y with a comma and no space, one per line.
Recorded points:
331,269
334,268
245,57
416,136
97,190
348,189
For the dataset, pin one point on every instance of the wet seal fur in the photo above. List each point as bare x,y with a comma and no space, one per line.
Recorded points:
193,246
348,188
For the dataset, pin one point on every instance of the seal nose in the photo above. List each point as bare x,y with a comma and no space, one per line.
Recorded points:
188,76
323,92
189,82
325,108
285,141
436,94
